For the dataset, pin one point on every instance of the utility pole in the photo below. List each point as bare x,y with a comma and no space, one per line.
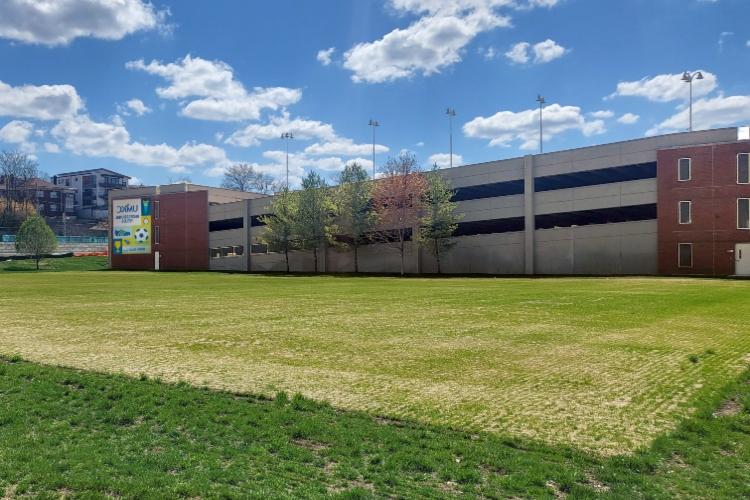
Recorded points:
451,113
286,136
373,124
688,78
541,101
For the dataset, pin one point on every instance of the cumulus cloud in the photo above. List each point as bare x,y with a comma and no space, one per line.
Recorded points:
506,127
324,56
254,133
42,102
708,113
18,132
83,136
220,97
628,119
543,52
428,45
343,146
666,87
443,160
137,107
51,147
58,22
602,114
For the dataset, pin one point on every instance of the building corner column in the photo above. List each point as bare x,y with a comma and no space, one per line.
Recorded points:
528,213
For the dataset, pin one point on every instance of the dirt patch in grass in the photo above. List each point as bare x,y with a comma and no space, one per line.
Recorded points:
728,408
309,444
556,490
593,483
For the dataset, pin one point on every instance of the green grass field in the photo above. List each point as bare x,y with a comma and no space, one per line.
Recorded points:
72,434
604,365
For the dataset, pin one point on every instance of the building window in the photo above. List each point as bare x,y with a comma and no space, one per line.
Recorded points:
226,224
239,250
743,213
53,194
156,209
53,207
686,212
258,248
156,235
684,169
40,194
685,255
743,168
215,253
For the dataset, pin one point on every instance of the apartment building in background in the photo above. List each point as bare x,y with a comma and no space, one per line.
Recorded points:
92,188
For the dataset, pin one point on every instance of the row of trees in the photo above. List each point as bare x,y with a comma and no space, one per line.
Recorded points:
17,201
358,211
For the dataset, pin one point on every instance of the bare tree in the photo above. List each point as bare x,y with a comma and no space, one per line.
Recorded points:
244,177
17,169
398,201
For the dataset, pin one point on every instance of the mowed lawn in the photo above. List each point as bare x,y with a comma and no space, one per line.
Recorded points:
604,365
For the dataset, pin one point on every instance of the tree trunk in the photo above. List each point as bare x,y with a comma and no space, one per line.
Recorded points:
356,258
286,255
437,255
401,248
37,263
315,258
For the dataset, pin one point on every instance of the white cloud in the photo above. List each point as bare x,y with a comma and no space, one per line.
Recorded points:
345,147
602,114
519,53
628,119
135,181
488,53
254,133
16,132
83,136
58,22
723,38
324,56
747,43
708,113
137,107
419,144
505,127
42,102
443,160
220,96
51,147
666,87
544,52
428,45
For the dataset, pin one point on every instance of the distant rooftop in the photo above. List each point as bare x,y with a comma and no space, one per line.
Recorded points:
93,171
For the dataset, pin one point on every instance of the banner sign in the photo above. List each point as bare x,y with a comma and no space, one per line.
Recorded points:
131,226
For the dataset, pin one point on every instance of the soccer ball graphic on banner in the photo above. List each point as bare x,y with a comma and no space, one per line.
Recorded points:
141,235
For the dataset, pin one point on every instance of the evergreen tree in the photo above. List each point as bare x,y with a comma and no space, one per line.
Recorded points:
440,219
35,238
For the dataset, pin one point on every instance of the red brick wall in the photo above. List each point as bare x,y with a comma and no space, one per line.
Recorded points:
183,234
713,190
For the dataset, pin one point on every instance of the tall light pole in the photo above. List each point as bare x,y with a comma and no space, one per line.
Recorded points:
541,101
373,124
286,136
451,113
688,78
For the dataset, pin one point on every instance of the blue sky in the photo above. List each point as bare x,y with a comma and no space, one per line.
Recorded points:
166,89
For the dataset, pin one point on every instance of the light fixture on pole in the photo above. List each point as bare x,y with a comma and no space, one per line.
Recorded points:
451,113
688,78
286,136
541,101
373,124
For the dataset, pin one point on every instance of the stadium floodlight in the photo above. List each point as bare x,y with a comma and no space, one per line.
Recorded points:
373,123
451,112
688,78
540,99
287,136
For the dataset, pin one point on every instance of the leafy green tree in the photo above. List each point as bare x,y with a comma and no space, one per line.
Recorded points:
279,233
440,219
353,203
35,238
315,218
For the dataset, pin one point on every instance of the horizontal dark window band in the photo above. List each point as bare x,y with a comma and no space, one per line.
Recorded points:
492,190
597,177
255,220
631,213
226,224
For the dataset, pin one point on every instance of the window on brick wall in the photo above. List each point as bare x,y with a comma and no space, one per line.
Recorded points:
686,212
743,213
684,169
743,168
685,255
